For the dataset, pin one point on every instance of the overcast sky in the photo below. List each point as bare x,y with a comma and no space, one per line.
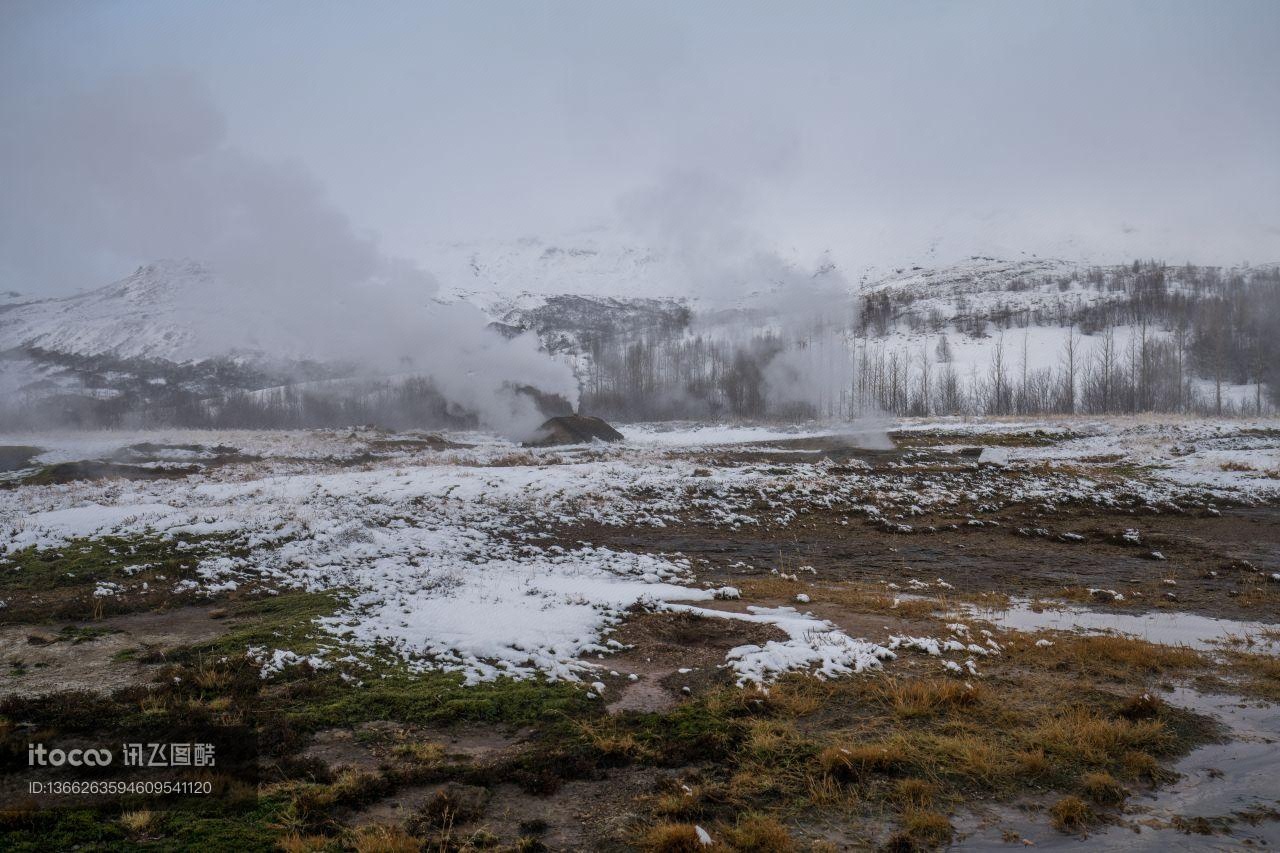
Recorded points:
886,132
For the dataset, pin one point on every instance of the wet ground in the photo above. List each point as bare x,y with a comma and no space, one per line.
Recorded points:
1225,796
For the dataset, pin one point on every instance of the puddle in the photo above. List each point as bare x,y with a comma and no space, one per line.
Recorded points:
1218,782
1167,627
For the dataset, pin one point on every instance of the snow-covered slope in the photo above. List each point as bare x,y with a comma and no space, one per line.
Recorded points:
581,266
587,284
598,264
580,291
137,317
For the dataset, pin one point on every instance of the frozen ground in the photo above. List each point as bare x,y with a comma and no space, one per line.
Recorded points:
442,554
946,583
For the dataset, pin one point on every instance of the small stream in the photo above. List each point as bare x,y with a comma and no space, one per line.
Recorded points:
1218,783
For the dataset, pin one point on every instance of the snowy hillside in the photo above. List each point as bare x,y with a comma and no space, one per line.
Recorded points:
591,266
526,282
985,334
136,317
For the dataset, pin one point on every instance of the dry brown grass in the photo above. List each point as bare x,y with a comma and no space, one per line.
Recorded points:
1085,736
926,828
384,839
680,805
154,703
1070,814
913,794
1032,763
420,752
772,587
295,842
210,676
138,822
1103,788
1142,706
758,833
928,697
772,740
1115,658
752,782
824,790
973,756
670,837
1258,593
1258,675
1142,765
928,743
352,783
856,761
1082,595
610,742
792,696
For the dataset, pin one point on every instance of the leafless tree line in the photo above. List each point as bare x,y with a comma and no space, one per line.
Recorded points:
1165,339
1099,374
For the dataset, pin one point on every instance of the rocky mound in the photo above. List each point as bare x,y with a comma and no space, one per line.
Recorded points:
573,429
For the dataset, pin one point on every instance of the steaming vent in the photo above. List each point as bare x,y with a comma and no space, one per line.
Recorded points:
573,429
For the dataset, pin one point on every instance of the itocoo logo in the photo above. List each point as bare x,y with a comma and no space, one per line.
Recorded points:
40,756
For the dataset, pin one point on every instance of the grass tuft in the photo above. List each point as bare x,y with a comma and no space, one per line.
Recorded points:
1103,788
856,761
929,697
758,833
670,837
138,822
1070,814
384,839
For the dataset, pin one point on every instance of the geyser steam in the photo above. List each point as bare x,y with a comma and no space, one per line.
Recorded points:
141,168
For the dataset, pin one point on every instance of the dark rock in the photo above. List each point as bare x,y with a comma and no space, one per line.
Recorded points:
573,429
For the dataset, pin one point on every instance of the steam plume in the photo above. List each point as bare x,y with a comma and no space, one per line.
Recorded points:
141,168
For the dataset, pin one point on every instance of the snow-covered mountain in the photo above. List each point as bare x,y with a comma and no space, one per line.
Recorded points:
579,266
591,299
141,316
590,285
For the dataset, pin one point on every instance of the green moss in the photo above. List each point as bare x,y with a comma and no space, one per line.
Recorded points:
254,829
89,561
324,700
61,830
283,621
389,689
206,825
76,634
47,584
70,472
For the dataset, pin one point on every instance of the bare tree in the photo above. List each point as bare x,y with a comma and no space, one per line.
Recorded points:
999,383
1069,368
926,382
943,350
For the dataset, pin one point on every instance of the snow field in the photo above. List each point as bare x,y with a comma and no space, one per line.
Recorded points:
443,557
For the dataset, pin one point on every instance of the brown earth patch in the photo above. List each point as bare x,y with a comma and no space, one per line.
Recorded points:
99,656
663,644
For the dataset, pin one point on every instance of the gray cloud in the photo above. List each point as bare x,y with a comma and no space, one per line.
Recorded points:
878,130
